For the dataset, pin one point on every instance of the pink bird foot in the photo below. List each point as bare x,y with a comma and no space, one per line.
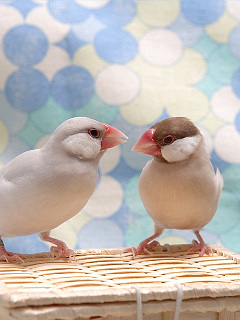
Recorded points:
200,246
60,250
142,248
9,256
145,245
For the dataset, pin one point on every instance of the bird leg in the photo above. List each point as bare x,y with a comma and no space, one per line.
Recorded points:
200,246
60,249
8,256
145,245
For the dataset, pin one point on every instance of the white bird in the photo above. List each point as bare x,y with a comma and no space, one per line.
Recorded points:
178,187
42,188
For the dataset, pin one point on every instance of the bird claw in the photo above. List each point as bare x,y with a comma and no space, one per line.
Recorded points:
202,248
62,251
10,256
143,248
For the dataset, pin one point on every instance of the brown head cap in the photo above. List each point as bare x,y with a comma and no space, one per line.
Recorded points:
178,127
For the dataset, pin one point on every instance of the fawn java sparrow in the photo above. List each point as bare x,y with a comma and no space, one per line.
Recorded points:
178,187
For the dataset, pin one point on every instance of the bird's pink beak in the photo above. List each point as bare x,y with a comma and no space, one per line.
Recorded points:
112,137
146,144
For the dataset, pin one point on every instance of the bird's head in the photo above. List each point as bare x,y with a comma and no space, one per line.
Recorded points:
172,140
85,138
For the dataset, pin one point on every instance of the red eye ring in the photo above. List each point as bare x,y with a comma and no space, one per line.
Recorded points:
168,139
94,133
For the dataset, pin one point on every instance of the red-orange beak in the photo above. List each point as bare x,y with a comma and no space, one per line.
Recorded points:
112,137
146,144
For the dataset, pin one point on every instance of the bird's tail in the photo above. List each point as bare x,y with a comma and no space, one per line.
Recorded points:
219,181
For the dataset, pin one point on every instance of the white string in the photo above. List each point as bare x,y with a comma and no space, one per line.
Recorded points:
178,300
139,302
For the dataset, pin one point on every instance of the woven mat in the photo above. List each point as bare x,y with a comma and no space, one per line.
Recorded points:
107,276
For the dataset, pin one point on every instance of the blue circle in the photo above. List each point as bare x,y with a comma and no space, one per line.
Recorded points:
237,122
117,12
68,11
26,245
202,12
27,89
218,162
102,233
25,45
236,83
72,87
115,45
187,32
234,41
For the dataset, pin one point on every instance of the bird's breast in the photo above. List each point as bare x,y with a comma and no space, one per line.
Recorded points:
176,197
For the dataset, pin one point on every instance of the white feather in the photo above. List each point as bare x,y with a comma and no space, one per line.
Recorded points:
181,149
42,188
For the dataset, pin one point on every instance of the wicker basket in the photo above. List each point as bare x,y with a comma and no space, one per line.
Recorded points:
108,284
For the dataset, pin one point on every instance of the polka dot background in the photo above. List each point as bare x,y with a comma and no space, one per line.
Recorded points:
130,64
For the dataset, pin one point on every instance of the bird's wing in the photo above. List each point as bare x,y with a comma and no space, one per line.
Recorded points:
23,166
219,181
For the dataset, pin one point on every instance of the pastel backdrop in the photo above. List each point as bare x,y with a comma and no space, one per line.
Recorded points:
129,63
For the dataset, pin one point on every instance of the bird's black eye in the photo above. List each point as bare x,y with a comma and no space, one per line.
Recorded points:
168,139
94,133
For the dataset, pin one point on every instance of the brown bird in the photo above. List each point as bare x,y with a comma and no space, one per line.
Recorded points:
178,187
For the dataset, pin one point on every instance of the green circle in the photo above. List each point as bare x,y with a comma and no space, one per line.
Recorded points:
223,64
98,110
231,238
50,116
227,214
231,177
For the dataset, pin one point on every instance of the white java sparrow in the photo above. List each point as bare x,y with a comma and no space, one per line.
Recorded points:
42,188
178,187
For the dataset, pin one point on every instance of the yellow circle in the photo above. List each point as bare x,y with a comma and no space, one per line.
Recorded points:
86,56
158,13
186,102
172,240
42,141
221,29
66,233
190,69
136,27
4,136
146,108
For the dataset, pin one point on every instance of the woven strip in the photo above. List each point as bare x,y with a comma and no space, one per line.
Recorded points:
108,276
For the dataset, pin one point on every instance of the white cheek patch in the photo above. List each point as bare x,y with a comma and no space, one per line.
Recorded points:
181,149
